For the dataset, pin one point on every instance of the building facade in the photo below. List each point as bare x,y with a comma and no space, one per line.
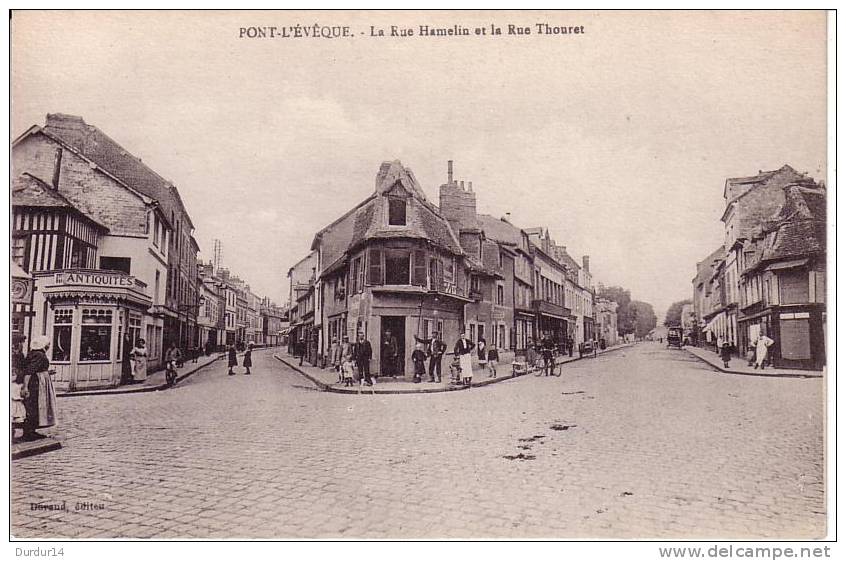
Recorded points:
98,252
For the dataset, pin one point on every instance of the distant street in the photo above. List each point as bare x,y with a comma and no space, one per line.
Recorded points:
642,442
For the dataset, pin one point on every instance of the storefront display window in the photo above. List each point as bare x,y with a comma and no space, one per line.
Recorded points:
62,330
96,335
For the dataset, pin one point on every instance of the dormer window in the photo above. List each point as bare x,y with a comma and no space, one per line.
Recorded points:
396,211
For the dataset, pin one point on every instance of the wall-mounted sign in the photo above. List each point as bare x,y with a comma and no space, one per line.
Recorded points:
95,279
21,290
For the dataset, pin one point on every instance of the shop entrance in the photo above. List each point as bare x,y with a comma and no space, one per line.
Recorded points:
389,366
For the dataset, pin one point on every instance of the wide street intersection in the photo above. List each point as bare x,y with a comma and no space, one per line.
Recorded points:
642,442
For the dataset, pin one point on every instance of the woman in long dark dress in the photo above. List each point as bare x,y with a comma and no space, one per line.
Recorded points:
39,397
248,358
233,359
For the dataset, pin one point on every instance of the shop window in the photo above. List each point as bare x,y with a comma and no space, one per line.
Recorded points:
62,330
96,335
121,264
396,212
397,267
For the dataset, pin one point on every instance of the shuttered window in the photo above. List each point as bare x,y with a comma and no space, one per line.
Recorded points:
418,276
795,339
375,271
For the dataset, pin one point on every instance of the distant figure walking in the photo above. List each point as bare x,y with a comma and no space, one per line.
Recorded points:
725,354
233,359
248,358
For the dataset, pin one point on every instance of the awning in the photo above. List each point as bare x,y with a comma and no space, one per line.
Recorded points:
787,265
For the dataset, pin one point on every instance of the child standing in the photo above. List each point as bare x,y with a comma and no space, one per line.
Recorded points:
347,365
493,360
418,357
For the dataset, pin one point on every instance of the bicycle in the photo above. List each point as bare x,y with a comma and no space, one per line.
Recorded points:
557,367
170,373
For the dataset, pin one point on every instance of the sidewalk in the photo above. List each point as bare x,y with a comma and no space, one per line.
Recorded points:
327,379
154,382
738,366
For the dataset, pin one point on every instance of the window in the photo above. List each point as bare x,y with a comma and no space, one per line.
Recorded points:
374,267
96,334
396,211
419,272
795,339
500,295
62,329
19,250
135,328
474,283
500,260
121,264
397,267
77,259
156,231
501,337
449,270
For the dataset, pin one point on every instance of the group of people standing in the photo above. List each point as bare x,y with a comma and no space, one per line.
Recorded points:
232,355
756,353
351,360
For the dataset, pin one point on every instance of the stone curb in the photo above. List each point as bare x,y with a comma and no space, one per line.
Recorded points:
138,389
329,388
27,449
763,373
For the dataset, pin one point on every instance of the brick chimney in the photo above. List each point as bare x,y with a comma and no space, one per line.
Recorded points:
449,172
586,263
457,205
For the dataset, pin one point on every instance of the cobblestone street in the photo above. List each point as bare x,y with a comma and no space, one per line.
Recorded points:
643,442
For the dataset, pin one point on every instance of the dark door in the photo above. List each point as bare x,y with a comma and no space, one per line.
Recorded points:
392,366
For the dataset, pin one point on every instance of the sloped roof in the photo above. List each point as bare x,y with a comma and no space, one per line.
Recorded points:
29,191
800,228
423,220
499,230
111,156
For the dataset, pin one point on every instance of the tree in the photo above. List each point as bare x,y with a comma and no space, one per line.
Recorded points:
673,316
623,298
644,318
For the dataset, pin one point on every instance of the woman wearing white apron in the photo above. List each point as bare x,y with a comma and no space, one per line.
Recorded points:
139,361
462,350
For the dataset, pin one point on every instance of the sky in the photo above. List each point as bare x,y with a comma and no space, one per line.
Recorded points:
618,139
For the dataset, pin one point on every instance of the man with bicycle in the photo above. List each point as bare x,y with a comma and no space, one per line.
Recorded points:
547,349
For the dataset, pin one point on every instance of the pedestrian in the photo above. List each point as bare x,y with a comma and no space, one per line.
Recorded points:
233,359
348,360
390,353
248,358
455,371
725,353
363,352
418,357
335,357
139,361
482,352
39,397
463,348
547,347
762,347
301,350
435,350
719,346
493,361
570,345
750,353
126,360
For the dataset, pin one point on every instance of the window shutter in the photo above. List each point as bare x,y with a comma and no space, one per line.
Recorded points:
418,276
374,267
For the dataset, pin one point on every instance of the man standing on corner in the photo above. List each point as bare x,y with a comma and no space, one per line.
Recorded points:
363,353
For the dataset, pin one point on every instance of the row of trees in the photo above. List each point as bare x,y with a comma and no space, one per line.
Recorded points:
673,316
633,316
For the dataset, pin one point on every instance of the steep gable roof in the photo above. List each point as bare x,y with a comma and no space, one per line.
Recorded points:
111,156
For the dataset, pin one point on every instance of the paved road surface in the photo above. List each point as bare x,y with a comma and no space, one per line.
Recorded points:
645,442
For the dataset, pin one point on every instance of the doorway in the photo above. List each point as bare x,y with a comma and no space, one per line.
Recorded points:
389,366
